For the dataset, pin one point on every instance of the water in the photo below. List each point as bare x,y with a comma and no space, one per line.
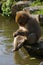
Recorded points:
21,57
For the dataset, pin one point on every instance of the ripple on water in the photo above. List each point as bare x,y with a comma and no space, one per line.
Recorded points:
1,31
5,49
2,39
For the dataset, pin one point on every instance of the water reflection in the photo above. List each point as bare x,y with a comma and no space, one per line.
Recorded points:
28,60
21,57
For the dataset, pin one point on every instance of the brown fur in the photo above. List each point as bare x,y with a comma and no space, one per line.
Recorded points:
28,27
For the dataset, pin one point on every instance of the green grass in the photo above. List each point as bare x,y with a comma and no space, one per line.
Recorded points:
36,3
38,12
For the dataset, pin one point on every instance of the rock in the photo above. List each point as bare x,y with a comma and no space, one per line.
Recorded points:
41,18
31,9
35,8
35,49
19,6
0,7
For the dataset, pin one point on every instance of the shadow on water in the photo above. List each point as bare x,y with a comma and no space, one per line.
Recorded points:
21,57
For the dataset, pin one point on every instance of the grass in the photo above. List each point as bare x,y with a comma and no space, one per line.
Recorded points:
36,3
38,12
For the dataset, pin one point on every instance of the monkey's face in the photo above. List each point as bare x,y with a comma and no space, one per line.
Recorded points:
22,18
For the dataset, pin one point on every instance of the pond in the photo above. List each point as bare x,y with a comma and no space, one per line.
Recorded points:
21,57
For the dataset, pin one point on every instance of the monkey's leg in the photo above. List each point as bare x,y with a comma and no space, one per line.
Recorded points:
32,38
15,43
18,42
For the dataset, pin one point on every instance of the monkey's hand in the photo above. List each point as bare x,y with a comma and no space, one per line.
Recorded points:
15,34
20,32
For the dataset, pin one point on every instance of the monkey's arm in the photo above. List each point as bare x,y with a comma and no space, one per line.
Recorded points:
32,38
20,32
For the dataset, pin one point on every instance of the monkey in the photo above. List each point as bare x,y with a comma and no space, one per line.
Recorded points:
29,28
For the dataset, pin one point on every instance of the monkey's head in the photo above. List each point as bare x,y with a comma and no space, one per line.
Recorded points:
22,17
